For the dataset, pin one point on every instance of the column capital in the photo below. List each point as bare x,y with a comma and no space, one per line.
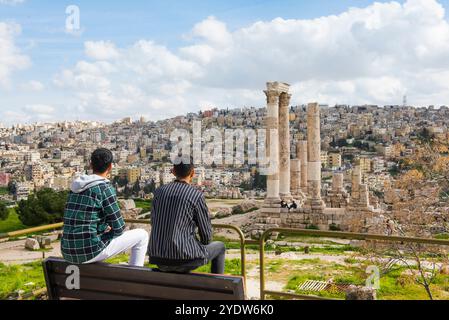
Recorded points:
285,99
272,96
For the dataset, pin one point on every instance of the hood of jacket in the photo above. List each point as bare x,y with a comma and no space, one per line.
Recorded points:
84,182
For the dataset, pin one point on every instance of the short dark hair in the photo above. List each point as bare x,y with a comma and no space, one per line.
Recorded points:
183,169
101,160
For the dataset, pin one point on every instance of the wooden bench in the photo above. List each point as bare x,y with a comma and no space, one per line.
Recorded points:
117,282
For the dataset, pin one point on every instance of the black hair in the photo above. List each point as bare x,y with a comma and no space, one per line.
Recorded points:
101,160
183,169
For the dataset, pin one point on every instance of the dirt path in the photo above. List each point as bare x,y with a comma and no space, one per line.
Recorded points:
13,252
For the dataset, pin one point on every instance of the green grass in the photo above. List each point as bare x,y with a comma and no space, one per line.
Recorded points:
3,191
143,204
12,223
15,277
394,285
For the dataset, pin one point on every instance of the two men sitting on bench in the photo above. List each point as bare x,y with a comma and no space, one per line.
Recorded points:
94,227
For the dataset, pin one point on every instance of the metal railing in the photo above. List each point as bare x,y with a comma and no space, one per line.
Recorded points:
24,232
217,226
329,234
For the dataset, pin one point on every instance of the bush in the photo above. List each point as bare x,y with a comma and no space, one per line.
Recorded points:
44,207
312,227
334,227
237,210
4,212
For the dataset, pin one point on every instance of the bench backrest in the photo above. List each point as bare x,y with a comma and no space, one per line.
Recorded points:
117,282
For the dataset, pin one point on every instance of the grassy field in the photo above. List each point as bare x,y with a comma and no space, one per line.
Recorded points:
3,191
396,284
12,223
27,277
143,204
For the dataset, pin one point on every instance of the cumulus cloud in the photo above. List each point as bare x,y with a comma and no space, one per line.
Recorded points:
101,50
374,54
11,59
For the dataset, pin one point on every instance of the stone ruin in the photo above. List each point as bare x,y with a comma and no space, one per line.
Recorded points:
299,179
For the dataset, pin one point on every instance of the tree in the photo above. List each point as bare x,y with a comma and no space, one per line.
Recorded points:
136,188
419,208
127,192
45,207
121,182
150,188
12,187
4,211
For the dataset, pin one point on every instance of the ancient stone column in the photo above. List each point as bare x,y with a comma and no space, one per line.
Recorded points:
356,182
314,157
337,182
301,154
284,146
295,173
272,123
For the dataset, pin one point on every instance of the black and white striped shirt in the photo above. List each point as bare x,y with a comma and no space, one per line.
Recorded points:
179,210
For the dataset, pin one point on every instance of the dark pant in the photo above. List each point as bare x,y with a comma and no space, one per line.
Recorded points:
216,253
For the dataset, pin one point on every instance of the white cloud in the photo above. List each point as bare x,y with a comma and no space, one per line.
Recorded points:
11,59
101,50
33,85
364,55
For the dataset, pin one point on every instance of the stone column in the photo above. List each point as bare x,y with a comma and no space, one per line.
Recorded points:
337,182
314,156
356,182
272,123
284,146
295,173
301,154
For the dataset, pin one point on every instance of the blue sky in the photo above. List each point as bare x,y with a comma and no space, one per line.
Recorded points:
124,22
169,25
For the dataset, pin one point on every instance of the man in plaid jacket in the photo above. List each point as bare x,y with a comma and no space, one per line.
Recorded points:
94,229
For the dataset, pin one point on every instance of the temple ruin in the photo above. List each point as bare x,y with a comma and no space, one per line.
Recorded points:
299,178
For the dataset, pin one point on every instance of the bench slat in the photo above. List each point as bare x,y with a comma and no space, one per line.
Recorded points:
64,294
145,275
146,291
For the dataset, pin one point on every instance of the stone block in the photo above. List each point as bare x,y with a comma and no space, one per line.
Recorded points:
32,244
44,241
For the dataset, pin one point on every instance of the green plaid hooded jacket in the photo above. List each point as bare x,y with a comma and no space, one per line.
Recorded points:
87,216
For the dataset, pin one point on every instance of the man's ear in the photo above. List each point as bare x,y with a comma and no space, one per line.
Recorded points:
192,174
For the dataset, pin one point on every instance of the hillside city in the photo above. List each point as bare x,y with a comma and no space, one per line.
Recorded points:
50,155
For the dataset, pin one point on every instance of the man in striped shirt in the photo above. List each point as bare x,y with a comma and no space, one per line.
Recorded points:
179,211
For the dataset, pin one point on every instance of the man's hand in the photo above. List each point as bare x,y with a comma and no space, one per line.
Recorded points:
108,229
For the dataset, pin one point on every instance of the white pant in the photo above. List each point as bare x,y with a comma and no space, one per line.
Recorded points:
136,240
